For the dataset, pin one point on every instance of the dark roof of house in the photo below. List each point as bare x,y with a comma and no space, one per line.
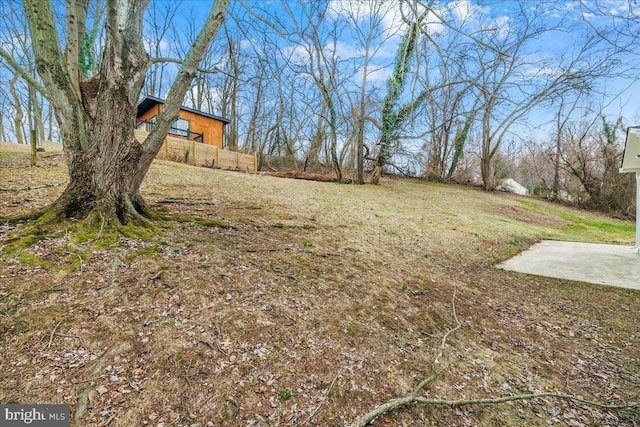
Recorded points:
149,101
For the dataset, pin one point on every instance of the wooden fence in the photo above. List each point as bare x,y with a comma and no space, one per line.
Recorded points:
174,149
197,154
10,147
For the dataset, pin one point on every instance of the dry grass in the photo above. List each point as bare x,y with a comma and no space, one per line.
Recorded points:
318,296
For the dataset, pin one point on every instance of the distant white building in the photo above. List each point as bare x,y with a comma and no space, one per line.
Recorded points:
512,186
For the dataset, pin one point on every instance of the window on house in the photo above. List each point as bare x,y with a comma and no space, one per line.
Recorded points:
146,125
180,127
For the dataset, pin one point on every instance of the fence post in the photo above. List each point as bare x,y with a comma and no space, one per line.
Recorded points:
34,148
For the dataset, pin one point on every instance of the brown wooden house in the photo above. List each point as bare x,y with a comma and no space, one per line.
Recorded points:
192,125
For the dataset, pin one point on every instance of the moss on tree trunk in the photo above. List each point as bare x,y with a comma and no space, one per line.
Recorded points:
96,113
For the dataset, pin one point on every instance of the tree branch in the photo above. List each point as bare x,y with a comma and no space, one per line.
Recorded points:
323,399
412,398
416,398
23,73
76,21
50,62
262,19
460,31
214,70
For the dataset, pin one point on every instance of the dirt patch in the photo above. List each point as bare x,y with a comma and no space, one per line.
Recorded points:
530,217
318,302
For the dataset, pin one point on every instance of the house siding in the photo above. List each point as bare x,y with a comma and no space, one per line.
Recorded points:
211,129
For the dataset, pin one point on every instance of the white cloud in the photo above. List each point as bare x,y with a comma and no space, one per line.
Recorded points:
345,50
377,74
297,53
499,26
544,72
387,12
463,10
434,25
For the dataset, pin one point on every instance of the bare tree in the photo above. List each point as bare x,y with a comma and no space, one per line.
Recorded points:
319,49
19,114
157,22
27,102
452,102
106,163
366,19
393,112
561,121
591,154
230,87
512,87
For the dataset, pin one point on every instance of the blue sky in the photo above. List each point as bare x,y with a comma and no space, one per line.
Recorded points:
620,95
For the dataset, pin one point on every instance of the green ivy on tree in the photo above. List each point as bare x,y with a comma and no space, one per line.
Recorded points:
86,53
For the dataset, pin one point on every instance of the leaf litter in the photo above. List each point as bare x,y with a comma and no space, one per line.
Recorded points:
318,292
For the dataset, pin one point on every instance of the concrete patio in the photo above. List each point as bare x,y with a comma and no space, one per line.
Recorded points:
612,265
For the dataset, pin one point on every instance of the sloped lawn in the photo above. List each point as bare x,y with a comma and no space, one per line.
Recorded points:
271,301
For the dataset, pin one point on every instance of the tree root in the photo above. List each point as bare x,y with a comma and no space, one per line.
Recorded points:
418,399
97,227
31,216
415,397
17,190
84,392
38,225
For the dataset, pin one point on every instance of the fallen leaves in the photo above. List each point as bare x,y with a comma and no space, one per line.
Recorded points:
215,315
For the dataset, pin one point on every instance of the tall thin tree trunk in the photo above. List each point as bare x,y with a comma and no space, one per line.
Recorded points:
37,115
317,140
17,119
50,118
485,156
34,147
459,142
392,114
556,167
3,135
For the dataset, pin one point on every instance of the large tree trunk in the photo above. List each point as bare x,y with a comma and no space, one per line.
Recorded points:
96,116
102,177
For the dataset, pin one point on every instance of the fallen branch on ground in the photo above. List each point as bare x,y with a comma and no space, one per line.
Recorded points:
304,175
52,335
323,399
16,190
416,398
